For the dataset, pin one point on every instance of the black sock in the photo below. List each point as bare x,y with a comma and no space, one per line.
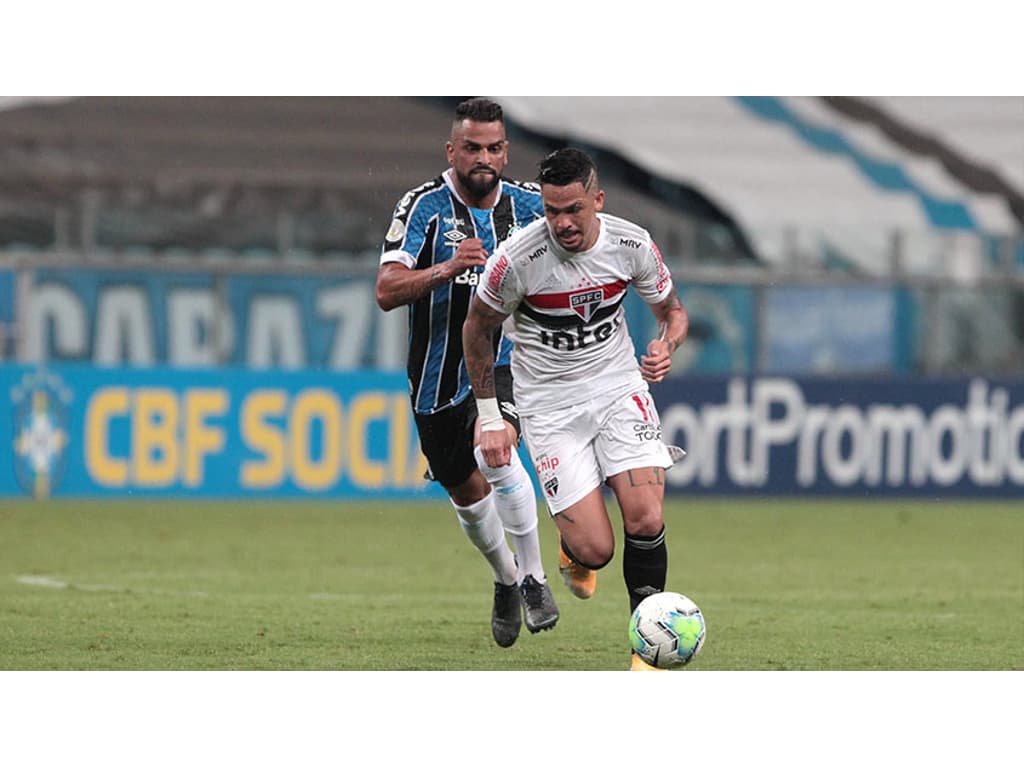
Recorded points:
644,566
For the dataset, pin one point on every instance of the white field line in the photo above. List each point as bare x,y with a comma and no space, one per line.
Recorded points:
49,582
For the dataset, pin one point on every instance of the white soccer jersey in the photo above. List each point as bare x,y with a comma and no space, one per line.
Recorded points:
566,319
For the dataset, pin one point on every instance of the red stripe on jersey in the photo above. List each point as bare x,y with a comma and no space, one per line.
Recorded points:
561,300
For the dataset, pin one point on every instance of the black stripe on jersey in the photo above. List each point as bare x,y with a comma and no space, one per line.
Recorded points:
419,317
458,308
568,321
503,218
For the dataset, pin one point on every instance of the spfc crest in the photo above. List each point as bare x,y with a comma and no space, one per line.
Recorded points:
586,303
40,432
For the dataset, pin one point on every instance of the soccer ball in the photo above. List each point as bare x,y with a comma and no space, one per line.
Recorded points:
667,630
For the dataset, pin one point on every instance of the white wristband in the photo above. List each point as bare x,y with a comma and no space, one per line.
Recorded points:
489,415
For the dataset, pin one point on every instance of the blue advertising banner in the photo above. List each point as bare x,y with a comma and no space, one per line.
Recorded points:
7,282
86,431
6,296
855,436
82,431
722,320
829,330
144,318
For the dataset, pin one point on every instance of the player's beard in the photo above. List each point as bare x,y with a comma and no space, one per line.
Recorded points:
479,185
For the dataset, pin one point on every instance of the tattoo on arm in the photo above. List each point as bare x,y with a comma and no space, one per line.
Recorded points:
478,349
673,321
436,277
397,285
486,381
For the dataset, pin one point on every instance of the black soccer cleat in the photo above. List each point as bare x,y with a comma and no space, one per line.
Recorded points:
538,605
506,616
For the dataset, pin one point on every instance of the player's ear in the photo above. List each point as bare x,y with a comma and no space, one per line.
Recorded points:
449,150
599,200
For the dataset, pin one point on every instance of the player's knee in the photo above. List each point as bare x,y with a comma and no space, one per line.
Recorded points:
645,521
473,489
599,560
594,555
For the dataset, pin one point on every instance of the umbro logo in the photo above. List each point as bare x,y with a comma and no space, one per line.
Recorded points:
454,237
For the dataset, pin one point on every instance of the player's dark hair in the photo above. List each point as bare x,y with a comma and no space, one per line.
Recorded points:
567,166
479,110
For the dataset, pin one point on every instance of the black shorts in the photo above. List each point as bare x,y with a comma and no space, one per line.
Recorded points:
446,437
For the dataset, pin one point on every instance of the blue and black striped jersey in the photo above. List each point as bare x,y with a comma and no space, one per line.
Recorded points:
428,224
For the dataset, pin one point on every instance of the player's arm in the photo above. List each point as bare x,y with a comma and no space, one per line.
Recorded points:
478,350
398,285
673,325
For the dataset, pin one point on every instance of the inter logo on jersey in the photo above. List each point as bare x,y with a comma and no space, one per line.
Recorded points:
586,303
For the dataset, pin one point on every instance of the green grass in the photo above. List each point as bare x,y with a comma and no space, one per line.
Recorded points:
784,585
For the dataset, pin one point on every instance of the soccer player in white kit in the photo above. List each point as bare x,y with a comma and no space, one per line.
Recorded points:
587,414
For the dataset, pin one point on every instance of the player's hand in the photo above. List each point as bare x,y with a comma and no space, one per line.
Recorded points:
656,364
496,447
470,253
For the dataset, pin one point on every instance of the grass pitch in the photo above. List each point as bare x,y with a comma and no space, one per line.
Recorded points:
784,585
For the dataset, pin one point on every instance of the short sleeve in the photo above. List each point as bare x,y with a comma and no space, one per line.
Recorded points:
407,233
499,286
652,280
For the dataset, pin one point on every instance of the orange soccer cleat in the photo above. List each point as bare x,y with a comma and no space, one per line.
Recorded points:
581,581
639,665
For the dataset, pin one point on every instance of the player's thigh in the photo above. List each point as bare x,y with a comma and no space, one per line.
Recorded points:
634,459
640,493
562,451
587,530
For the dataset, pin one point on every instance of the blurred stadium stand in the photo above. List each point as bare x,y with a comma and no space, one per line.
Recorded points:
263,174
826,181
315,177
866,185
922,194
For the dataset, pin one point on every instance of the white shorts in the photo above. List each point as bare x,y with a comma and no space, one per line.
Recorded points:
575,449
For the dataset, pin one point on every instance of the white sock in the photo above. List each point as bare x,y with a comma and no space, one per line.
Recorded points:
516,504
483,527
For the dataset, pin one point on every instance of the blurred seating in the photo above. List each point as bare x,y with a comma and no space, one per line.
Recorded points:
806,182
827,183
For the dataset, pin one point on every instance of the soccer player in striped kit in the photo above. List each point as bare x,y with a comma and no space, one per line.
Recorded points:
585,408
435,249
